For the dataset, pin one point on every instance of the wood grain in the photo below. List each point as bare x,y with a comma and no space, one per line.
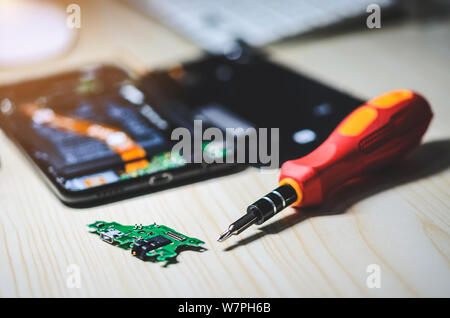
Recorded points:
400,220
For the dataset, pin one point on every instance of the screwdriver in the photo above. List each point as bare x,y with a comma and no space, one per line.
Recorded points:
376,134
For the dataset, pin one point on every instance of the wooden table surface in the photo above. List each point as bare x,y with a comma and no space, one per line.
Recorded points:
400,221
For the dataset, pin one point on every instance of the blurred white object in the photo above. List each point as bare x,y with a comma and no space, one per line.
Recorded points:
31,31
216,25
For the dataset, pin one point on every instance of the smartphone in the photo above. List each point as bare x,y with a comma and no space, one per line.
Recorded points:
246,89
94,136
100,134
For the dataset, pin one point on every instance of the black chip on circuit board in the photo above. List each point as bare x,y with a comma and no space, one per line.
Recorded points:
140,248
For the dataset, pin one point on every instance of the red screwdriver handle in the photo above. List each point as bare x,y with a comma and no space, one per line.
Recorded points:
376,134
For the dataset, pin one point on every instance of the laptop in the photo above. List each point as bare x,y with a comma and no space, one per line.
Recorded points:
217,26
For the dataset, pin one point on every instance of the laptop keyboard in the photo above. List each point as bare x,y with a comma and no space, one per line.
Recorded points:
217,25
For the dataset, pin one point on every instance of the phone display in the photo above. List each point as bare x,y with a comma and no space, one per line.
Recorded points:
89,128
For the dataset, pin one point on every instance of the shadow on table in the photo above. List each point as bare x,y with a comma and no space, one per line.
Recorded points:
174,260
431,158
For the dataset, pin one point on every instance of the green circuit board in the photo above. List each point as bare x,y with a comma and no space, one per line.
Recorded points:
156,241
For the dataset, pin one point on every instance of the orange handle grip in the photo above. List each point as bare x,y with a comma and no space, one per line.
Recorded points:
376,134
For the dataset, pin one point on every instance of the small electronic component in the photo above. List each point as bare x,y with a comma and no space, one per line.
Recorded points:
175,236
142,247
154,240
110,234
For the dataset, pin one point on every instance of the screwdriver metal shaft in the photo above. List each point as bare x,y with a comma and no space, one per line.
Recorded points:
238,226
262,210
